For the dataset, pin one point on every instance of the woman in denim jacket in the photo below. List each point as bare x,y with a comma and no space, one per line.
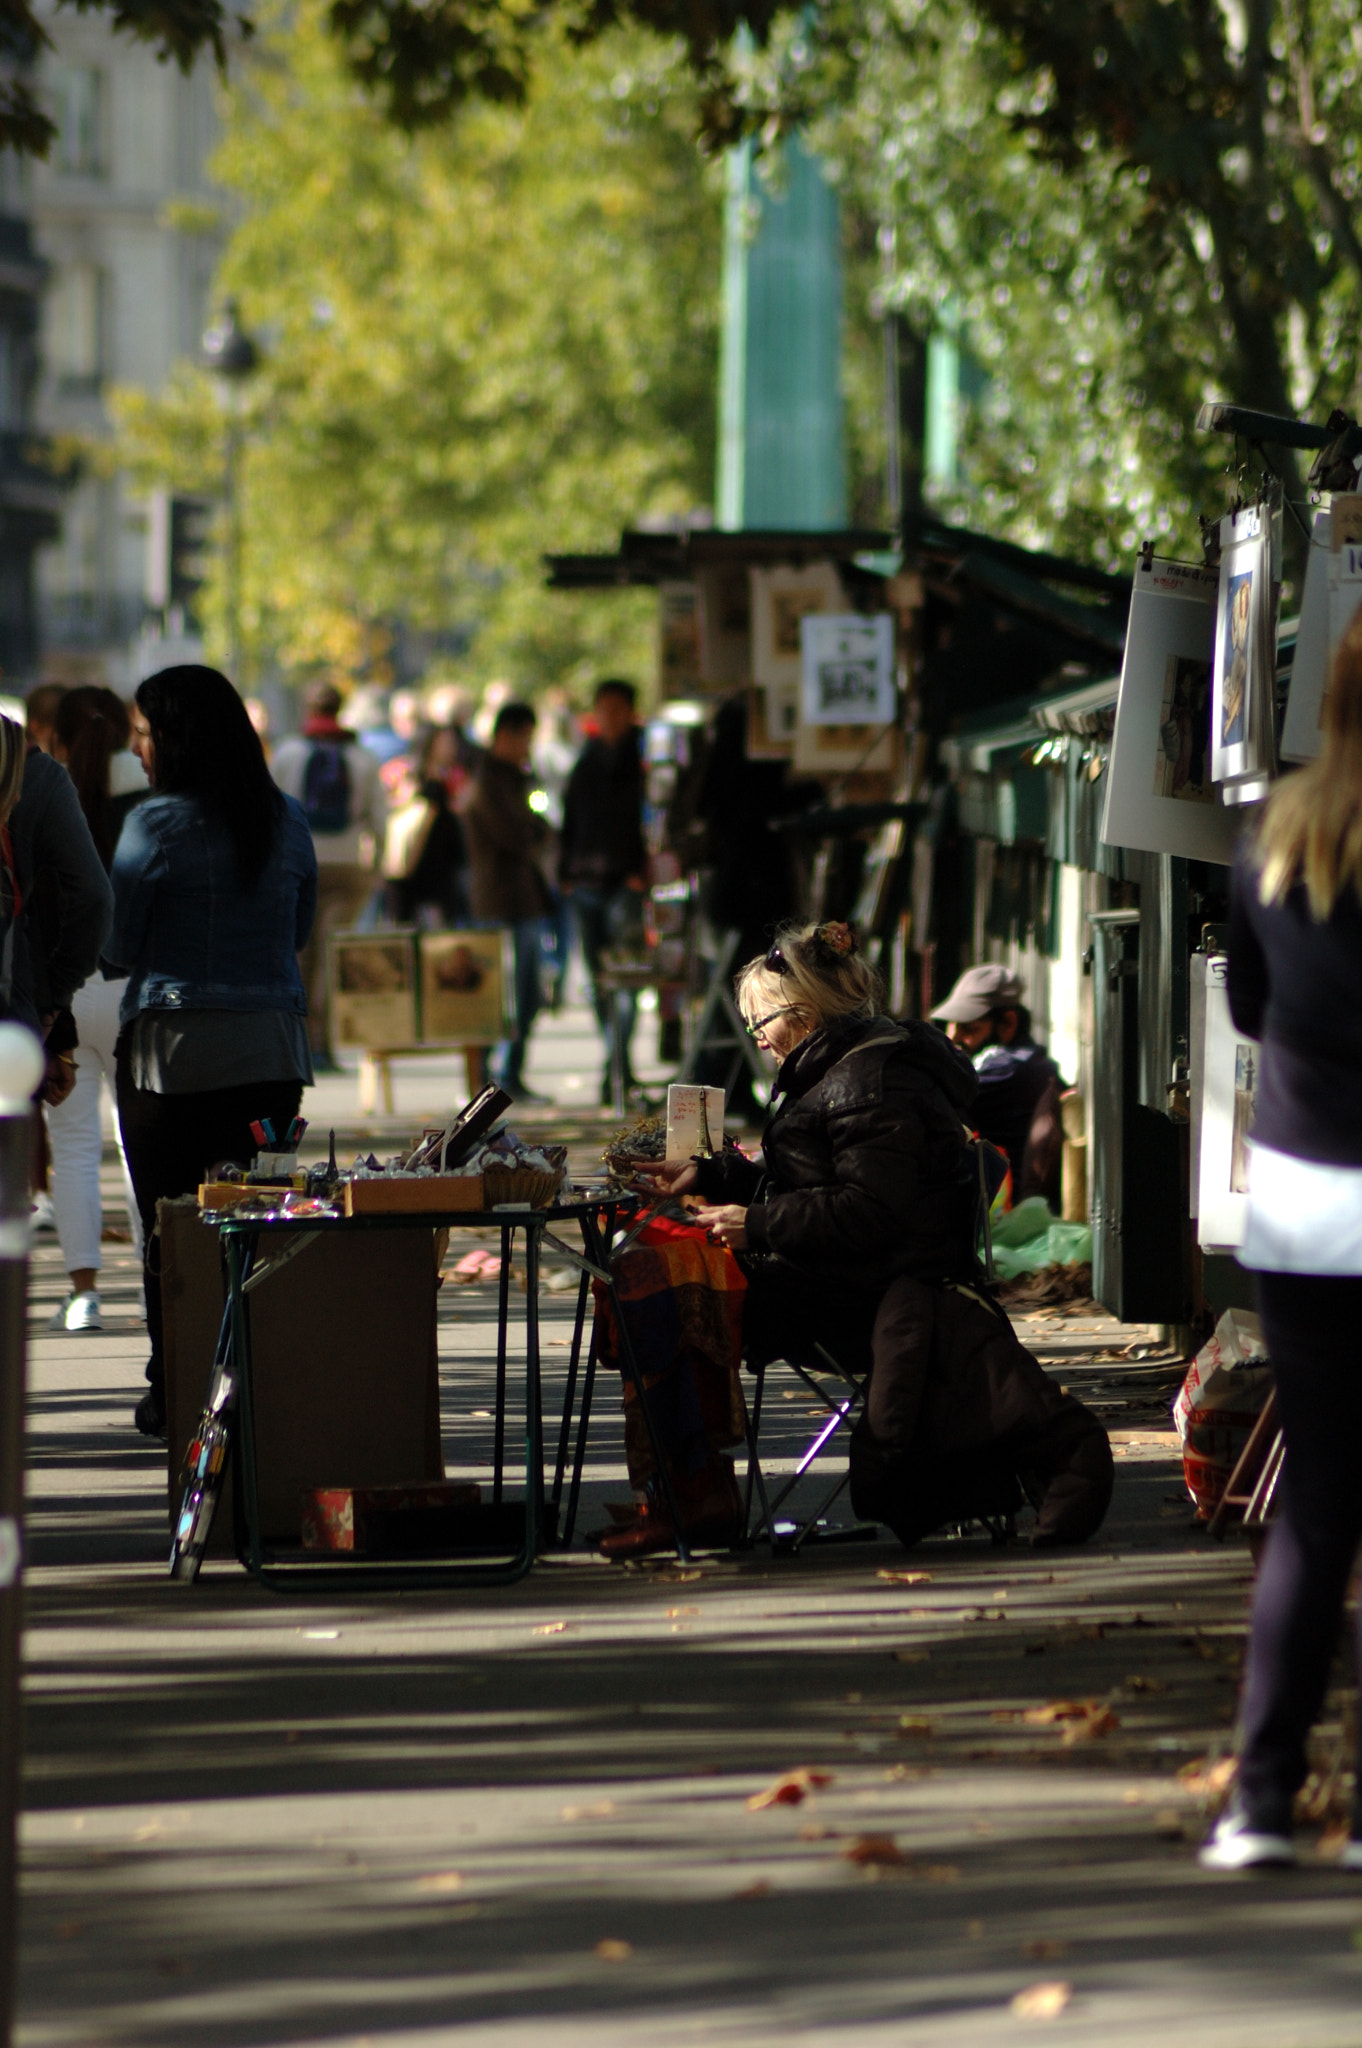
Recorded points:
215,890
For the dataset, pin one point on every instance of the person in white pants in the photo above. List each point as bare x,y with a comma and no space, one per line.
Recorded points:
90,738
75,1133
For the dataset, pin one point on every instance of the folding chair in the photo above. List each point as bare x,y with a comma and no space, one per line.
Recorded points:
989,1170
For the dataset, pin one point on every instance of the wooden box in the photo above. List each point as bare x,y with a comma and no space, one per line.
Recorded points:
427,1194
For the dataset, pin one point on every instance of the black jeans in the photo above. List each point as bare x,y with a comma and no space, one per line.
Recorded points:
1313,1329
170,1140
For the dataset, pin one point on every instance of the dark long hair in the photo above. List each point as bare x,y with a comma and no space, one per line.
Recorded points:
206,747
91,726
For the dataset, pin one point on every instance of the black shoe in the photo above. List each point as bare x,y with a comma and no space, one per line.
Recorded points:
150,1415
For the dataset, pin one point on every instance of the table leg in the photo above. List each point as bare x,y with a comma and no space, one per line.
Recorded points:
240,1258
574,1360
534,1404
503,1312
579,1456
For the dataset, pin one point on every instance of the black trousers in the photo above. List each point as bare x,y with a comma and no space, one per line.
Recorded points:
170,1140
1313,1329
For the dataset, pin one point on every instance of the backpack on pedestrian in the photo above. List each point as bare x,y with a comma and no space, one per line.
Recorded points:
326,788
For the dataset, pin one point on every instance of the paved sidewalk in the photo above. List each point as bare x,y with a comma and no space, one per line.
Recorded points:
521,1815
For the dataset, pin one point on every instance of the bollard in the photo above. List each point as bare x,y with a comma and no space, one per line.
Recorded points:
21,1069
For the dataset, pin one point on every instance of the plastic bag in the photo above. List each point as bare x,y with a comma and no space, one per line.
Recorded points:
1028,1238
1218,1403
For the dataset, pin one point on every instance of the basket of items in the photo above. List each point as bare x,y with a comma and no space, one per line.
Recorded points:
514,1172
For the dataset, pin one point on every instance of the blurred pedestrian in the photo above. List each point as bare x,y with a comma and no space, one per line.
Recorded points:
90,739
602,863
505,839
557,743
215,891
40,711
337,782
1295,984
425,856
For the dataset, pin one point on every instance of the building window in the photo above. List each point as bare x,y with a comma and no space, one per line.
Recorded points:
73,322
77,94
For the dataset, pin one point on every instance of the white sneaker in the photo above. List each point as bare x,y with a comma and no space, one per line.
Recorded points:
78,1312
43,1216
1351,1859
1234,1843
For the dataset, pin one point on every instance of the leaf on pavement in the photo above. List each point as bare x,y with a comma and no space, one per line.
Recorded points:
551,1628
762,1889
874,1849
614,1951
441,1881
905,1578
790,1790
1043,1951
1042,2001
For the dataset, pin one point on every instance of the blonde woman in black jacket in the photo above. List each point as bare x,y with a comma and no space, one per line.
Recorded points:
1295,984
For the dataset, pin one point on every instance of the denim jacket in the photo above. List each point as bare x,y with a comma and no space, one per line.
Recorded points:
187,934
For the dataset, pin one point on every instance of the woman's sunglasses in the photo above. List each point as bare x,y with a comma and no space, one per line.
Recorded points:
775,962
755,1030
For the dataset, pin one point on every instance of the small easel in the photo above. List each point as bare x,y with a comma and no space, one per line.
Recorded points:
376,1079
1253,1485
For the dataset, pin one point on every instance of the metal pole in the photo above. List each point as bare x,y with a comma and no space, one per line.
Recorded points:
21,1066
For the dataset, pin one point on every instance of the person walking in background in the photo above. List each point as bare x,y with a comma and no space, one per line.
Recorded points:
505,839
602,863
40,711
1295,984
215,891
425,856
90,739
337,782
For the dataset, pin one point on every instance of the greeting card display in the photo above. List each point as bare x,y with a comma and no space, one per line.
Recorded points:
1160,796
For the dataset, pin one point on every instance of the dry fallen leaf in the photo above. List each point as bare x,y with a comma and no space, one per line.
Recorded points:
1102,1721
614,1951
789,1790
1042,2001
762,1889
673,1613
1081,1719
1334,1840
874,1849
905,1578
1043,1951
1207,1780
440,1881
600,1810
915,1724
551,1628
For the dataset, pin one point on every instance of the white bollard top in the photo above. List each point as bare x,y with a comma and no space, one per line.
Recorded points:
21,1068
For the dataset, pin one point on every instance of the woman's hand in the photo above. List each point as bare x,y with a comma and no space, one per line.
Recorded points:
673,1176
726,1223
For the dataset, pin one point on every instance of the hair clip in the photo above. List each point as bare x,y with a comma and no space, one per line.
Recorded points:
836,939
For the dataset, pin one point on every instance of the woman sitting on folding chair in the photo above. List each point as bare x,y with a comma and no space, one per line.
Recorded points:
858,1232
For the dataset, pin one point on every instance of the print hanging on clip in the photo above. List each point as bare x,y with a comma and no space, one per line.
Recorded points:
1159,794
1243,751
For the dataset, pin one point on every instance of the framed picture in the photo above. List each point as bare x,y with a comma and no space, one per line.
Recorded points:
1160,796
373,989
781,597
1242,741
467,987
846,674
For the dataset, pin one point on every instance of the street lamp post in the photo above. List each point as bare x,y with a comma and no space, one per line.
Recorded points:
21,1069
230,353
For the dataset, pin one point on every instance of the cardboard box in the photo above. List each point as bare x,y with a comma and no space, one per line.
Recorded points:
427,1194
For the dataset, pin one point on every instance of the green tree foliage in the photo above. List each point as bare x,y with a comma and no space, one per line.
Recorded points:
1132,206
478,343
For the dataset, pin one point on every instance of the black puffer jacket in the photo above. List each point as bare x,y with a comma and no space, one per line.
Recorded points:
866,1171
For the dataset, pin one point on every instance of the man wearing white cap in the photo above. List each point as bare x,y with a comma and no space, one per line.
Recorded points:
1017,1107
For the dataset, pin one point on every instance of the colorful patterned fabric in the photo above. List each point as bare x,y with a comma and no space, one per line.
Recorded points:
682,1299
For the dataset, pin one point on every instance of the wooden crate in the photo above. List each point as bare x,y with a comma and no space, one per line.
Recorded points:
423,1195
